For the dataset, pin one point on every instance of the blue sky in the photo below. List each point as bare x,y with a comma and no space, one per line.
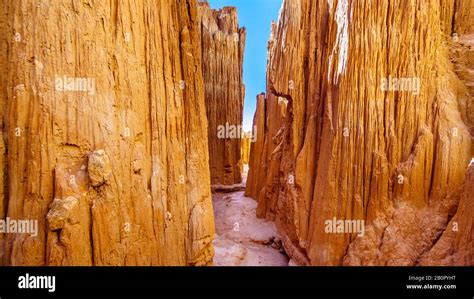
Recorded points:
256,16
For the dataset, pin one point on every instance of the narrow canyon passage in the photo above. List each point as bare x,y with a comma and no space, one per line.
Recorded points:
241,238
124,133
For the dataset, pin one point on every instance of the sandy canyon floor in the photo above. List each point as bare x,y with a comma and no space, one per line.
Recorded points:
242,239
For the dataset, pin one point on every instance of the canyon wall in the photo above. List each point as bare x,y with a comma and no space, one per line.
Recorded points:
222,47
366,119
3,60
460,16
104,124
455,245
245,148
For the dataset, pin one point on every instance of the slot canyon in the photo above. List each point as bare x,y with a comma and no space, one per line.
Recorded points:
122,134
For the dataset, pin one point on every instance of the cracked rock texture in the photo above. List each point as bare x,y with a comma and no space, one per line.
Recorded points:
98,168
456,243
336,144
116,171
3,173
222,46
245,149
462,56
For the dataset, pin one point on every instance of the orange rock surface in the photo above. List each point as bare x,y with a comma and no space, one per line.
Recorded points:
109,131
103,108
223,45
342,142
455,246
245,148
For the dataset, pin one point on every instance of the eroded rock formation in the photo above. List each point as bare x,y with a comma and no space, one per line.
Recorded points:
3,61
344,141
223,45
104,123
245,149
462,56
455,246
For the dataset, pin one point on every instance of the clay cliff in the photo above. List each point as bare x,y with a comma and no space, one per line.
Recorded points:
368,118
455,246
222,48
245,148
116,116
103,121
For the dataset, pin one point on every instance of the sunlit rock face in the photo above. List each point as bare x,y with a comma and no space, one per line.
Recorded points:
247,140
103,135
222,46
367,117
